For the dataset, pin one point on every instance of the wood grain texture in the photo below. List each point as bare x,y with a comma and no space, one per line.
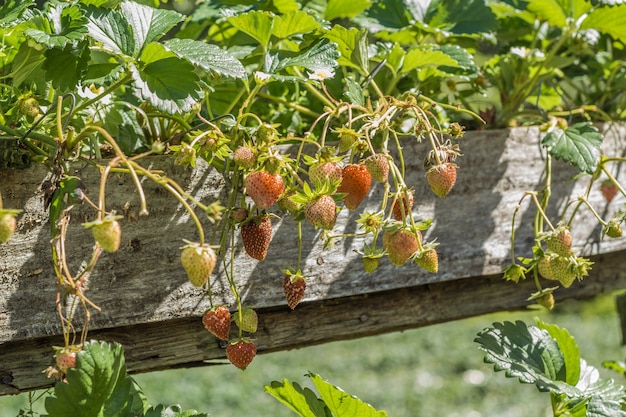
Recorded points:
144,293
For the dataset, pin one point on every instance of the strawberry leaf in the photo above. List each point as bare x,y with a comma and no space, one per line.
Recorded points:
609,20
65,25
323,54
341,403
172,411
301,401
604,396
11,12
206,56
293,23
569,349
98,386
527,353
345,9
64,67
148,24
112,29
352,45
258,25
578,144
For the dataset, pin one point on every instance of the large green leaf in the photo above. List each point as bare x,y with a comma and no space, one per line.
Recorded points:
293,23
172,411
112,30
256,24
27,64
166,81
11,12
420,57
148,24
578,144
206,56
322,55
569,349
604,395
557,12
460,17
66,25
527,353
301,401
341,403
64,67
609,20
352,44
345,9
98,387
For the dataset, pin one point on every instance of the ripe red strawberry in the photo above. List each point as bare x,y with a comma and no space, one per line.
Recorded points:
321,212
404,200
256,235
441,178
356,182
244,157
7,224
241,352
217,321
198,261
65,358
249,321
608,189
107,233
429,260
294,287
378,167
325,172
264,188
400,245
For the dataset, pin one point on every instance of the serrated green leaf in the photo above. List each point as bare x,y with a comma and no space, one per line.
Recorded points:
172,411
463,58
11,12
206,56
605,396
64,67
578,144
422,58
354,92
256,24
607,2
548,10
460,17
608,20
322,55
569,349
352,45
341,403
67,26
98,387
345,9
27,64
148,24
286,6
527,353
301,401
159,81
112,30
293,23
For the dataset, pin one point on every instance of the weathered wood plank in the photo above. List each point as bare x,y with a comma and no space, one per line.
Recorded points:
142,288
157,346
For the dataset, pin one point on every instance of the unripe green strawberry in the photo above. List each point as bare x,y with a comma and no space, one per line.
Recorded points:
217,321
370,263
613,229
441,178
7,224
563,270
28,106
378,167
544,267
546,300
287,204
559,241
198,261
428,259
347,138
107,232
249,321
321,212
322,172
65,358
241,352
400,245
244,157
266,133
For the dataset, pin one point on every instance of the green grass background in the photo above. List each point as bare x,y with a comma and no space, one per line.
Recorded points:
432,371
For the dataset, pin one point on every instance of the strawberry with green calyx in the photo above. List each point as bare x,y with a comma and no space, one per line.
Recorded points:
107,232
355,183
266,134
378,167
264,188
611,229
287,204
244,156
247,320
320,205
294,287
65,357
241,352
217,321
441,178
565,269
371,256
28,106
427,257
402,205
544,298
198,261
347,138
324,167
256,234
401,243
608,189
239,214
558,240
8,222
